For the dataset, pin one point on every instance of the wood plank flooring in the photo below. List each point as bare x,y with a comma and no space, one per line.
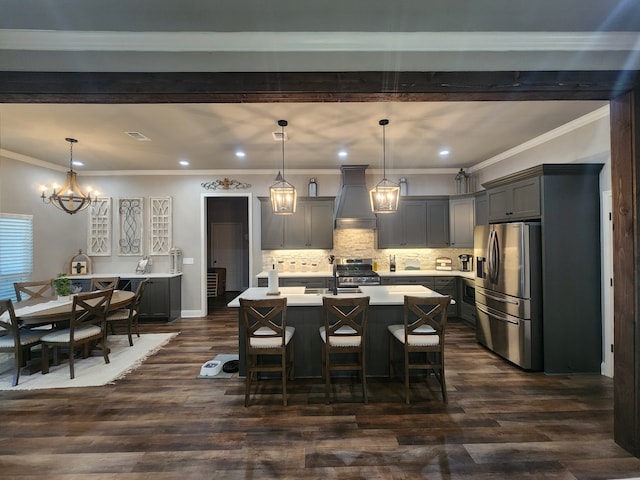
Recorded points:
160,422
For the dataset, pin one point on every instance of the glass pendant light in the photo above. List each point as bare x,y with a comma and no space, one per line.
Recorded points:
283,194
385,195
69,198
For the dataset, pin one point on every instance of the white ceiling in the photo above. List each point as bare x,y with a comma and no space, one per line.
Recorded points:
297,36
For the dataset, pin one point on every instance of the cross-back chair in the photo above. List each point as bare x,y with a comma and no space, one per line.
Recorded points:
129,315
35,289
343,332
422,339
86,325
267,335
104,283
14,339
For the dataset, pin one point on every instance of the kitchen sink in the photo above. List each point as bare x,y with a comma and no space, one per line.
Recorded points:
329,291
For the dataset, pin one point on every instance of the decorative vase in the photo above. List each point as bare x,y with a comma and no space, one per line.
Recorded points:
64,298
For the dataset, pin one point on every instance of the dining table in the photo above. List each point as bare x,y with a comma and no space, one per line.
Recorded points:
48,310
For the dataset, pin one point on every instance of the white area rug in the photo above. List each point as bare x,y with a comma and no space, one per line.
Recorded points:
92,371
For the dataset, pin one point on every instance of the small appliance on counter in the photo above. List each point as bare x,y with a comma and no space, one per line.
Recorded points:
392,263
443,263
465,262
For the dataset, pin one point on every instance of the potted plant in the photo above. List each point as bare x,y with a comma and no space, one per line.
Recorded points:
62,285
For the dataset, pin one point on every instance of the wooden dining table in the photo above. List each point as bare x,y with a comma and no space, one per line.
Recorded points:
54,311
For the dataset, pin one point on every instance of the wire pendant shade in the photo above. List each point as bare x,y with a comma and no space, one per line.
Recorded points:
386,194
283,194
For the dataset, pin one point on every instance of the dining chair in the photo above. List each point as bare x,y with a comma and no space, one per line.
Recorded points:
36,289
128,315
422,339
86,325
104,283
14,339
344,333
266,334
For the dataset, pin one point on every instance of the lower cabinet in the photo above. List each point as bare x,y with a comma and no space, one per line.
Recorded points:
309,282
443,285
162,299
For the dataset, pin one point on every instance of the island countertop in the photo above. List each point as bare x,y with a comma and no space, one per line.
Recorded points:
378,295
384,274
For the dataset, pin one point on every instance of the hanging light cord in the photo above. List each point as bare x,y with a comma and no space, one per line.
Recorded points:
282,124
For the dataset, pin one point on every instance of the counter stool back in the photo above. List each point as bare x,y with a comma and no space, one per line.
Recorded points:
344,330
422,339
266,334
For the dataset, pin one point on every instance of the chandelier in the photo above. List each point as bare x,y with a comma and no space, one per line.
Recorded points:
283,194
69,197
384,196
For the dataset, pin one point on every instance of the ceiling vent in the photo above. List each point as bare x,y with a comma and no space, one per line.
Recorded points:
280,136
138,136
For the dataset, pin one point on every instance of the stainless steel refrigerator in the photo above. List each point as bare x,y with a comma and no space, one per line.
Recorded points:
508,291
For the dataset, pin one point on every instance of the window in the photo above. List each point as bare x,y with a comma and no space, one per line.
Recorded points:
16,252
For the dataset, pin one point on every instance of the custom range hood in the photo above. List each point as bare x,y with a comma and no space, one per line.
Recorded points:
354,207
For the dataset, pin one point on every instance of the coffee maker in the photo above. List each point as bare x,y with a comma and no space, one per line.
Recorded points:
465,262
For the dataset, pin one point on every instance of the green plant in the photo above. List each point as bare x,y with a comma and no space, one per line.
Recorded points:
62,284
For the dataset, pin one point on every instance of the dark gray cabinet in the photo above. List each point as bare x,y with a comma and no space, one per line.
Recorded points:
482,208
461,221
419,222
310,282
519,200
162,299
405,228
310,227
566,199
441,284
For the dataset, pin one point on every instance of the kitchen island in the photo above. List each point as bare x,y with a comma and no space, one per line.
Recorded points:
305,313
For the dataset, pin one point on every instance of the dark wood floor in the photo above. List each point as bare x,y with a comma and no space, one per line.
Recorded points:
160,422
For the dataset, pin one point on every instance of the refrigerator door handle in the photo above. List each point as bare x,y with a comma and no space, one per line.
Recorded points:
502,300
483,309
493,254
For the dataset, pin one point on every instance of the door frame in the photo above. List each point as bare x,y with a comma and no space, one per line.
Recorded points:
204,232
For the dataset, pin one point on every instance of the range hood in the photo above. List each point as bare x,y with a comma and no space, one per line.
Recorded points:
354,207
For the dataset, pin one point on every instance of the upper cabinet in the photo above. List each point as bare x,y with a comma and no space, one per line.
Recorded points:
482,208
310,227
418,223
405,228
461,221
519,200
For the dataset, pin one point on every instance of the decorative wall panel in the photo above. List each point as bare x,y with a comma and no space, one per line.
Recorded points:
100,228
130,211
160,225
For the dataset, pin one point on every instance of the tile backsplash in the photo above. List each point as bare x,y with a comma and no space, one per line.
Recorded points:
357,243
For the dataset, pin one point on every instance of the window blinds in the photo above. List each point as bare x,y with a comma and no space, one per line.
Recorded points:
16,251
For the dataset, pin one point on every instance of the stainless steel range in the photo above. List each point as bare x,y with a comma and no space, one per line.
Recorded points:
355,272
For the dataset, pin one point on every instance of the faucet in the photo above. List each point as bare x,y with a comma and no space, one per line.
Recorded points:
332,262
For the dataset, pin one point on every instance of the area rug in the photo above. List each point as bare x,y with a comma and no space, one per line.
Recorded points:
223,358
92,371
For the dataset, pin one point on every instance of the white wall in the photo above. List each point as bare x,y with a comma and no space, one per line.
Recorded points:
58,236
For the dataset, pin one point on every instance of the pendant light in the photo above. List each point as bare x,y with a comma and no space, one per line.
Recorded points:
283,194
69,198
385,195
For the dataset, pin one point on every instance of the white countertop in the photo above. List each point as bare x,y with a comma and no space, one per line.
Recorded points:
399,273
124,275
378,295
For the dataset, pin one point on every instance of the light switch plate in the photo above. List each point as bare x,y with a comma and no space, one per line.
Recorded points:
187,261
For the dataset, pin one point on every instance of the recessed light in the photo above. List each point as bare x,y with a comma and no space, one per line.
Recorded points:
444,152
343,154
240,154
183,163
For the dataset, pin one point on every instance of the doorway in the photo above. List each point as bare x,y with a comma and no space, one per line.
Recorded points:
226,226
